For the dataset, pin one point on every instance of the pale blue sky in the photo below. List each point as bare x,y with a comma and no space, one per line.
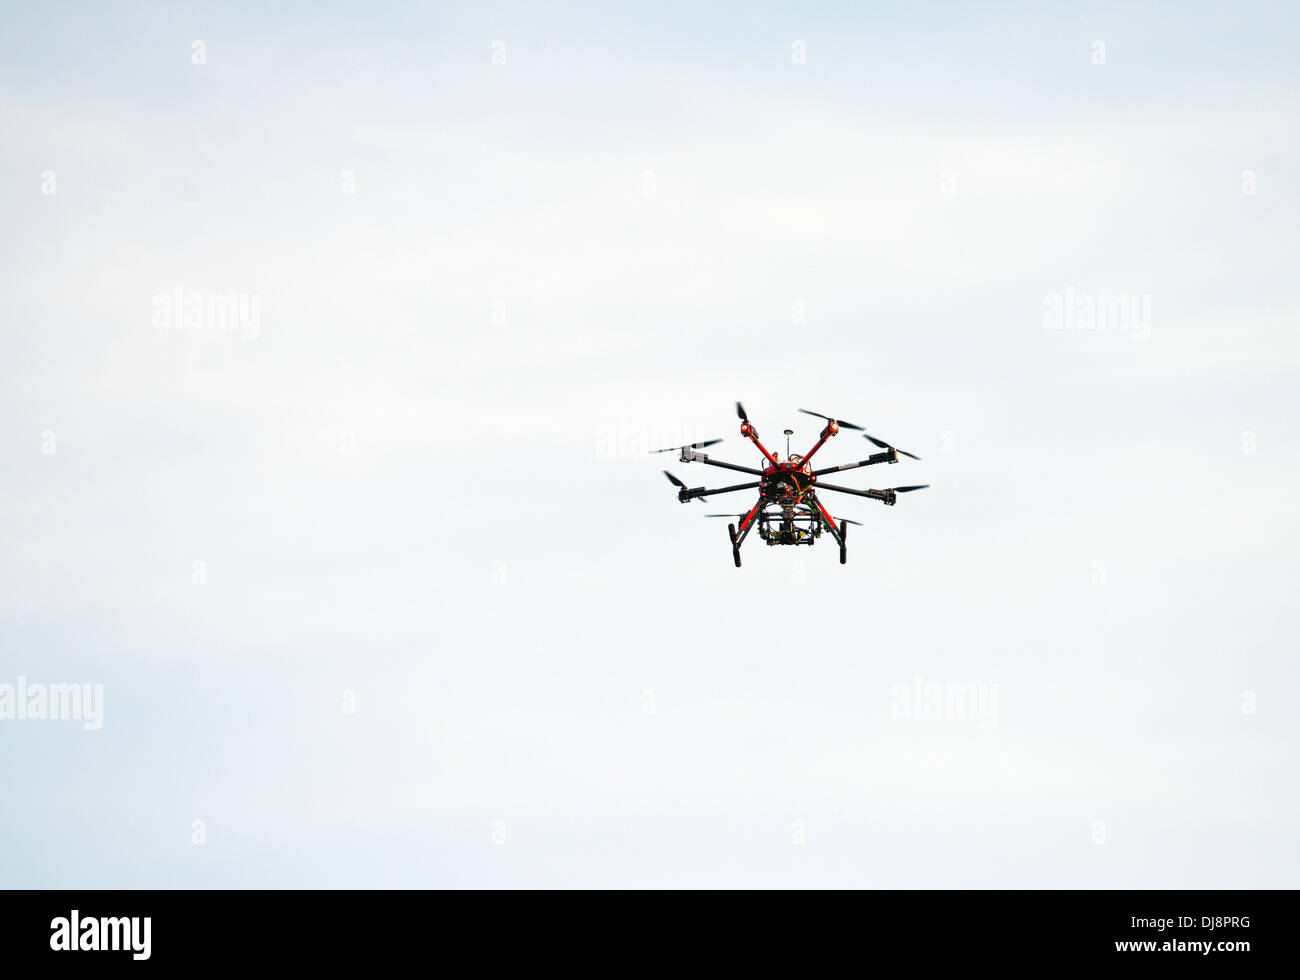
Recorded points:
919,186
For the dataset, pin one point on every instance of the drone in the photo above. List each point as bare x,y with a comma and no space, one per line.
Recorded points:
787,511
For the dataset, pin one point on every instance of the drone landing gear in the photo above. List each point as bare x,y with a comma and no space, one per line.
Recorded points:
735,548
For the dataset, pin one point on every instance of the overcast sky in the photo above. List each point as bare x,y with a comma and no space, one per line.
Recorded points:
379,581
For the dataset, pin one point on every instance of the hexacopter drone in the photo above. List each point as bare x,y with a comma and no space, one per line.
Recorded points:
787,510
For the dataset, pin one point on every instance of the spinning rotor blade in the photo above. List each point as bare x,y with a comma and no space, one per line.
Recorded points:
919,486
722,515
884,445
842,424
740,410
674,481
693,445
845,520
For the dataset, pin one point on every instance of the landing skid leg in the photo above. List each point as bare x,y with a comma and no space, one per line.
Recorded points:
838,531
738,537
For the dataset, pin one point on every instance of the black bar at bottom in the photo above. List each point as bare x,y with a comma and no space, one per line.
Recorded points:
375,929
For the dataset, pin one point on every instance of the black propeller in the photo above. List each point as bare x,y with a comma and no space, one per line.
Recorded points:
919,486
740,410
693,445
845,520
884,445
842,424
679,484
722,515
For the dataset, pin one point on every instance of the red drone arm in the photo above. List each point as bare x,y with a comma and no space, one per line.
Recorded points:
832,427
748,432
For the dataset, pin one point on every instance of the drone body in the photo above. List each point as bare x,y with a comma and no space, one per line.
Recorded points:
787,511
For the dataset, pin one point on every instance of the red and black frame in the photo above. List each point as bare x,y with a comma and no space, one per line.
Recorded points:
788,511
